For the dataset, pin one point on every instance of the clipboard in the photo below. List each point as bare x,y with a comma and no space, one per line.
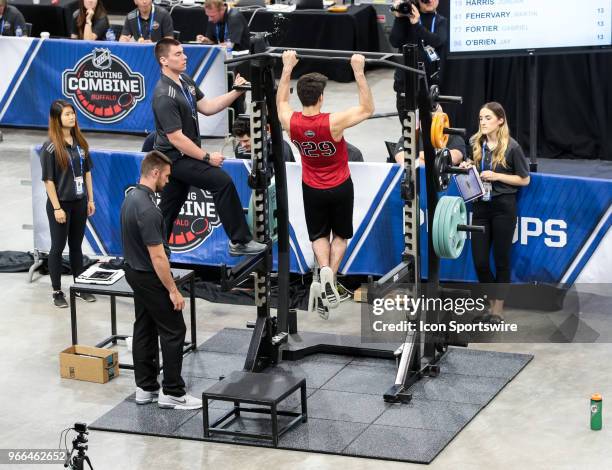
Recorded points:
469,185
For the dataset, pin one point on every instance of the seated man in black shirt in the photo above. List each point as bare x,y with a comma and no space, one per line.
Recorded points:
225,25
11,20
177,100
147,23
242,131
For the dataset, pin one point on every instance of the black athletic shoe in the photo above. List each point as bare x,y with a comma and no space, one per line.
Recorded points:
87,297
59,300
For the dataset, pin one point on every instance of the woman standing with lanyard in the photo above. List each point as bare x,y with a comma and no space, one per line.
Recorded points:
66,172
503,169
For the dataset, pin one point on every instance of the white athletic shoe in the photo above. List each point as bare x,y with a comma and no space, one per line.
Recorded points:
329,293
315,293
186,402
322,310
143,397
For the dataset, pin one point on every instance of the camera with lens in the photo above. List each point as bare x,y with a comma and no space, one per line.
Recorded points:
405,7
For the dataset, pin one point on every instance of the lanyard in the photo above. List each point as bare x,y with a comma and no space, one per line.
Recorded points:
151,19
2,28
482,161
433,23
189,98
80,152
225,33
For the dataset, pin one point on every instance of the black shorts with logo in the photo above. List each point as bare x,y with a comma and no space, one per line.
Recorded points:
329,210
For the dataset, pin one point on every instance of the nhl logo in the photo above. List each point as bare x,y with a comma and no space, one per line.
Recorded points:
103,87
102,59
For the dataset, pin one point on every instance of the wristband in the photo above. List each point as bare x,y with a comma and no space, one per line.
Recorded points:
58,209
206,157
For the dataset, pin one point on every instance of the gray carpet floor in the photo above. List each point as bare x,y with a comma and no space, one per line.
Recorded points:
346,412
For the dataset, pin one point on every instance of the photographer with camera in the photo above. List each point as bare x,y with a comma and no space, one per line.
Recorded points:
418,22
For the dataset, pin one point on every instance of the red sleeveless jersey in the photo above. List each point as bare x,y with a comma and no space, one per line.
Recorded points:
324,161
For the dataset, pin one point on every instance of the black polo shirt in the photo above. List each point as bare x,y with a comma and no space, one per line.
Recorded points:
64,179
99,26
234,26
142,225
161,27
173,111
10,20
516,164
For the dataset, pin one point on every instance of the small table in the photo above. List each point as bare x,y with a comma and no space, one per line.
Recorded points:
121,288
256,389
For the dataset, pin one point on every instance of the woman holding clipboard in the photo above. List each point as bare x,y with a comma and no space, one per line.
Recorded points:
66,172
503,169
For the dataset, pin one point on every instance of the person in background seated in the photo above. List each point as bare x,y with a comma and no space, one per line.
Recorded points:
455,144
147,23
89,21
66,172
242,132
12,22
224,25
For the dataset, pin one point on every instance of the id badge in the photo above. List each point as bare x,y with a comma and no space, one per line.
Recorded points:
78,185
487,188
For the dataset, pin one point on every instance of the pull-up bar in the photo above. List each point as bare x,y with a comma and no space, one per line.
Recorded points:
378,58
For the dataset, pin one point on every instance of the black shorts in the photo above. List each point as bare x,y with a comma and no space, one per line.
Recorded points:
329,210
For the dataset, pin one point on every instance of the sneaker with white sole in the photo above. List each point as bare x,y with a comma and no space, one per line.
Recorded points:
245,249
143,397
314,295
59,299
322,310
186,402
329,293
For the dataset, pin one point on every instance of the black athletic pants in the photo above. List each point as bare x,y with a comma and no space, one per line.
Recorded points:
188,172
498,216
155,315
73,231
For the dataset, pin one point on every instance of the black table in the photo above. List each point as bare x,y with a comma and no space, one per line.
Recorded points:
55,19
355,30
122,289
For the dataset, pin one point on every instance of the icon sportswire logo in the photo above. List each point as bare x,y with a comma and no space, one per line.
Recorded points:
103,87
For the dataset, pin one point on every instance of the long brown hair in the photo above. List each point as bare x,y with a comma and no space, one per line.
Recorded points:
57,136
503,137
99,12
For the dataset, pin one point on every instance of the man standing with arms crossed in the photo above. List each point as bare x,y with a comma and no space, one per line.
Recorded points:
326,180
177,100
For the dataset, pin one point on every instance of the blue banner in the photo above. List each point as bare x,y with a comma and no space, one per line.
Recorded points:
559,237
111,84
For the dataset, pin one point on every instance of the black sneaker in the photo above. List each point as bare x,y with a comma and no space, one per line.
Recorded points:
344,293
59,300
87,297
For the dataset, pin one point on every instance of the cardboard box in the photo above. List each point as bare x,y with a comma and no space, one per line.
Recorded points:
361,294
89,364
